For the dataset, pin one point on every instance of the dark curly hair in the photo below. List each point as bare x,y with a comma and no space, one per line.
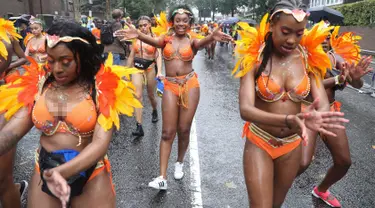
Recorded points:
268,48
89,55
172,13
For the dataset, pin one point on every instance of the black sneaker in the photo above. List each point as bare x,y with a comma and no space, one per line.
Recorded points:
138,131
155,116
23,188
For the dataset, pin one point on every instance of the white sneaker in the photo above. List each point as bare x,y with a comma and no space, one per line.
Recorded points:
158,183
178,172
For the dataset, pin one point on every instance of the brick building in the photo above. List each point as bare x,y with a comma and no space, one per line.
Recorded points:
34,7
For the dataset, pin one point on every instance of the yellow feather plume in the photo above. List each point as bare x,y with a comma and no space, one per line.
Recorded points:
7,31
163,25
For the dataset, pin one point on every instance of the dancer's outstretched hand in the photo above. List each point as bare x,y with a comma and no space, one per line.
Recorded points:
57,185
130,33
218,35
322,121
361,68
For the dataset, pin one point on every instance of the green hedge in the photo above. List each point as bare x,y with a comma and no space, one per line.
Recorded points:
358,14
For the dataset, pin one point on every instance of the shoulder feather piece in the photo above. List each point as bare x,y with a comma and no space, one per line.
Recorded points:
346,45
27,39
7,31
23,89
115,95
163,26
317,60
249,48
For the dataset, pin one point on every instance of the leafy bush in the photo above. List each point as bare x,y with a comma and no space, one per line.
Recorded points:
358,14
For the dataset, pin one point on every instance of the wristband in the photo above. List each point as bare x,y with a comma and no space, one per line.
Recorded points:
337,80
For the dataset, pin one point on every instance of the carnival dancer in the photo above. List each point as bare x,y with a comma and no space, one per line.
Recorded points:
75,101
348,68
96,30
280,65
145,57
213,44
181,91
35,41
205,31
10,193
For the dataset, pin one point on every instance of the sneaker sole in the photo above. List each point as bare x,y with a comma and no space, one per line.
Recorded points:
317,196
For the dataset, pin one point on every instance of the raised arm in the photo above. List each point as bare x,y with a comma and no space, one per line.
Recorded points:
330,82
159,63
359,70
216,35
132,32
21,55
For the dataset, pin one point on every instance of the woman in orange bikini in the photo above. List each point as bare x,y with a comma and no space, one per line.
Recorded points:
348,68
181,90
10,193
145,57
75,101
280,65
36,42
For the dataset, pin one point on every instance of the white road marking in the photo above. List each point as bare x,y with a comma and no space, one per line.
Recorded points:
195,177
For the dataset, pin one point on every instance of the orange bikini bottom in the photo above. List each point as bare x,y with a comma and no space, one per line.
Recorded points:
102,165
274,146
334,107
181,85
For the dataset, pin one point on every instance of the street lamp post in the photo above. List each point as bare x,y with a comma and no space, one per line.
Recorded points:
41,6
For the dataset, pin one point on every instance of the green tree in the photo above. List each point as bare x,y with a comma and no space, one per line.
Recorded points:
96,6
206,7
260,7
230,6
137,8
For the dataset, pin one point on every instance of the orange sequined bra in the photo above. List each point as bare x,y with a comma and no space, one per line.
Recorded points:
185,53
140,47
269,91
80,121
41,49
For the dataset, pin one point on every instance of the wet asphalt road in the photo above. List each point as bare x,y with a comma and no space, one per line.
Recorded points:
218,129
